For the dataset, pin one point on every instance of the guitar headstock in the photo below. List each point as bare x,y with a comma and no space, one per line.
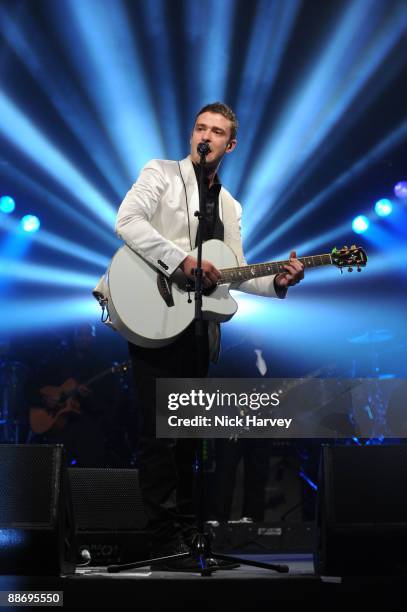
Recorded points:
349,257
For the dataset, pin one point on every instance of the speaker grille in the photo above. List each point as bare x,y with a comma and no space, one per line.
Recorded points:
107,499
28,485
367,485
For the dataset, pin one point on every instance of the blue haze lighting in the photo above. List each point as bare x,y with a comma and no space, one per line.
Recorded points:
377,265
99,40
388,142
30,223
383,207
58,243
46,313
7,204
330,313
33,50
312,246
360,224
263,61
22,132
38,274
400,190
210,46
55,203
319,102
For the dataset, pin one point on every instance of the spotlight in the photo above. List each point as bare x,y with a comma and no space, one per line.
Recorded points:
400,190
30,223
383,207
7,204
360,224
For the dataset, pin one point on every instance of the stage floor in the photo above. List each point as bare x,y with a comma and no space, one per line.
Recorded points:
244,588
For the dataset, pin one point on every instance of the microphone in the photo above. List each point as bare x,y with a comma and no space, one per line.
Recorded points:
203,149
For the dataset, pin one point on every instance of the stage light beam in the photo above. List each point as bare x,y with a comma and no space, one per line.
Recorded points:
18,128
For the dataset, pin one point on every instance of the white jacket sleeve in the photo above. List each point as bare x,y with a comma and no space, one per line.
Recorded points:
264,285
134,216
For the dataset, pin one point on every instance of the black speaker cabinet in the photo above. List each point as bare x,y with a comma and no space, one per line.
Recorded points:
361,518
109,514
36,523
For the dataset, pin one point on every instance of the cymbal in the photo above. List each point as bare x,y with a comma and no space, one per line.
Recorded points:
372,337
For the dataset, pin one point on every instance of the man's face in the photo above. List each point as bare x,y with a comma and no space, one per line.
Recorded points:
214,129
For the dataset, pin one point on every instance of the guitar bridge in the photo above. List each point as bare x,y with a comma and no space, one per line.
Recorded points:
164,289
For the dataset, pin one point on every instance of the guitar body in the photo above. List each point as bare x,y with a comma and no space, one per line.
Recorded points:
61,401
139,312
42,419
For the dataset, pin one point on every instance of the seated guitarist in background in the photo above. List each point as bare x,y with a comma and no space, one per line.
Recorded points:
77,421
157,220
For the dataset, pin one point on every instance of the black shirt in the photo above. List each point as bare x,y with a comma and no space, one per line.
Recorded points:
212,224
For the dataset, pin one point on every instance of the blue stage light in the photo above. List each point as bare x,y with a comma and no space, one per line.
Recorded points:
7,204
46,313
391,140
58,243
360,224
318,103
25,135
383,207
47,198
400,190
99,39
35,273
30,223
32,48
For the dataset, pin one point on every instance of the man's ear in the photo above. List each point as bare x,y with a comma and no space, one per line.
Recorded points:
231,145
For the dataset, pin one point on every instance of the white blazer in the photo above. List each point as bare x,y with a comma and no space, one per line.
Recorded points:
157,220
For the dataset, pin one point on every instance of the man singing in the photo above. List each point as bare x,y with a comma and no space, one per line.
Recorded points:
157,220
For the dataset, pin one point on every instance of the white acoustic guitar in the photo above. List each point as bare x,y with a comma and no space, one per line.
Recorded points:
150,310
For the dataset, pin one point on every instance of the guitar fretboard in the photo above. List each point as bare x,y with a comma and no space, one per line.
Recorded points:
240,274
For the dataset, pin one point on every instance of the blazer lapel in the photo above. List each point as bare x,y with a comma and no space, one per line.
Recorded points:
192,193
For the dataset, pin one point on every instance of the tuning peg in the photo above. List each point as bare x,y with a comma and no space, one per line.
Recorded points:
350,269
359,269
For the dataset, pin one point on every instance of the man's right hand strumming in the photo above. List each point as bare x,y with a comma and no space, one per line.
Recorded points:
211,275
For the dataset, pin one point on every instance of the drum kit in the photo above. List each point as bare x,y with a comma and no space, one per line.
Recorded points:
378,358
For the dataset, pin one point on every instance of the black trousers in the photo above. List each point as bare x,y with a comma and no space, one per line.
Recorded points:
255,455
159,472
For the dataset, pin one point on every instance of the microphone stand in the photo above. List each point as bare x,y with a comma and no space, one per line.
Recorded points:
200,548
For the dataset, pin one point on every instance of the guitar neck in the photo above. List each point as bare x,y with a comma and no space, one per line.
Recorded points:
87,383
95,378
243,273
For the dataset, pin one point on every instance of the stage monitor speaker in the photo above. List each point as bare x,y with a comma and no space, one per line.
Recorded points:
37,532
361,518
109,514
